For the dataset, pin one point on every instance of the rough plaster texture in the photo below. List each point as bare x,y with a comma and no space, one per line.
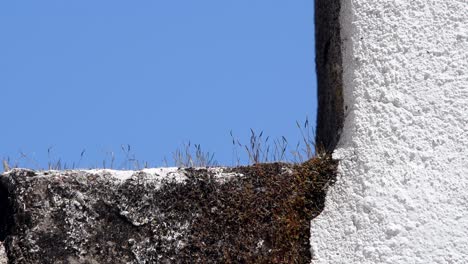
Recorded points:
401,196
3,257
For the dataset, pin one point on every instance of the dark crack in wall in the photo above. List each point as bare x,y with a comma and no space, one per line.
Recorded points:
330,115
6,213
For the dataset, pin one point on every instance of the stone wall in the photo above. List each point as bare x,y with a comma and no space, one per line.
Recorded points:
253,214
401,195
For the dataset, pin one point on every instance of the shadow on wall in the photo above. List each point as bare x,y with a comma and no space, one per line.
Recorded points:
330,116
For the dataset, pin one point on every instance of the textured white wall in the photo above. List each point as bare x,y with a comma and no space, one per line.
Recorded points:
402,193
3,257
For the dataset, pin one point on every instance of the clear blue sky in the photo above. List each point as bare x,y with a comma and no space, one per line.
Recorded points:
94,75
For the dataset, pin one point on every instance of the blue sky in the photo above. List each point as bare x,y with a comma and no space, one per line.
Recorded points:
96,75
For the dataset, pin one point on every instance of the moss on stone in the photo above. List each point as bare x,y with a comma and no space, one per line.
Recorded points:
260,214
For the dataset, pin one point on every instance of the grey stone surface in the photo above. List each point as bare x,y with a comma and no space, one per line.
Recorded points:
103,216
330,115
253,214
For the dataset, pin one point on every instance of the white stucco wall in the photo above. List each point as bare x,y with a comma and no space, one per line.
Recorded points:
402,192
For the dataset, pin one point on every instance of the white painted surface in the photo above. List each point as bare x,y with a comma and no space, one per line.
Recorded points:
173,172
166,173
402,193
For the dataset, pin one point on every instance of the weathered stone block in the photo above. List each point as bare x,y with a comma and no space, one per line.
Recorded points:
255,214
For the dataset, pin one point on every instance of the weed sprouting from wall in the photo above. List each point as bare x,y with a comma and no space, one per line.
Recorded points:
259,149
193,156
262,149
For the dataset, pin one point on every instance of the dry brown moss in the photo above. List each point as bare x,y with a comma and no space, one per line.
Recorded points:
263,217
